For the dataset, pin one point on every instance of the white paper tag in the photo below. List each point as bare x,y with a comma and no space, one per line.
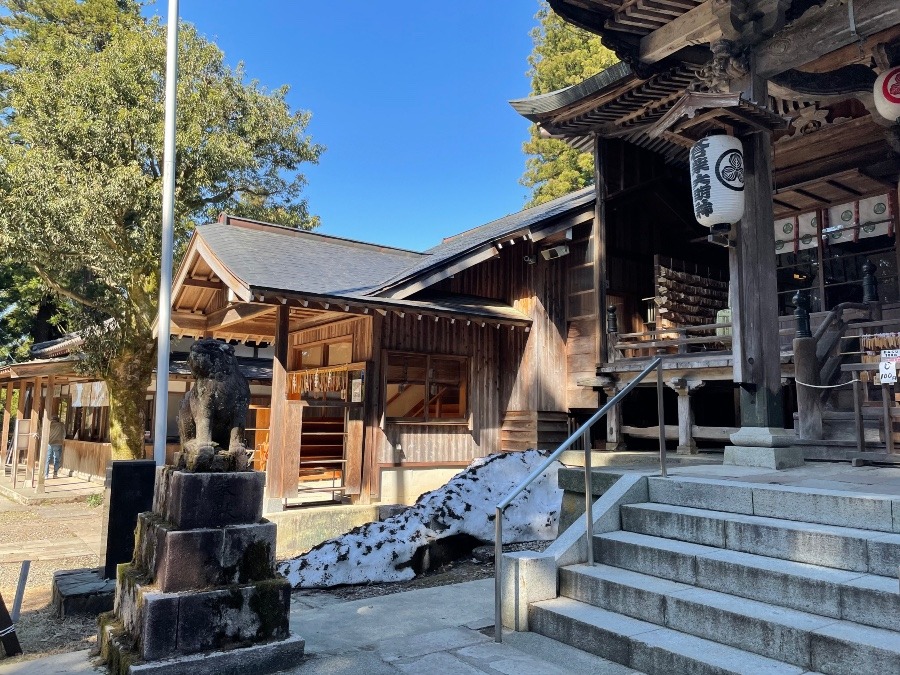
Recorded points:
887,371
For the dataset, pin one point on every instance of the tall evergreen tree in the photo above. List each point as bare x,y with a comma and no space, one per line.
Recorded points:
563,55
81,117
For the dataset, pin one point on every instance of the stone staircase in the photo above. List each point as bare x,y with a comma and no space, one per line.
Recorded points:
714,577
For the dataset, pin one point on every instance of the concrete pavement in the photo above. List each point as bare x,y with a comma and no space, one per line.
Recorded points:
431,630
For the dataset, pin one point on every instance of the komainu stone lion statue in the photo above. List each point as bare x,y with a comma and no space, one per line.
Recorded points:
213,414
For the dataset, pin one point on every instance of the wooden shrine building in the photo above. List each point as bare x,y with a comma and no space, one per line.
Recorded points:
794,81
394,369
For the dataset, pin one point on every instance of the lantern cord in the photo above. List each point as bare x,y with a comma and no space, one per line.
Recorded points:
826,386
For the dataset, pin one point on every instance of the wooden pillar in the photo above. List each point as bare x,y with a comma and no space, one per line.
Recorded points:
615,439
32,429
598,233
809,398
684,388
45,432
757,354
7,416
20,415
276,489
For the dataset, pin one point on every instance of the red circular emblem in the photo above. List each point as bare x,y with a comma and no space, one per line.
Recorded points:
890,88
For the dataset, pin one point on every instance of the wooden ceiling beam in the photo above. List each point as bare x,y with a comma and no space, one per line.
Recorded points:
202,283
237,313
187,322
697,26
822,30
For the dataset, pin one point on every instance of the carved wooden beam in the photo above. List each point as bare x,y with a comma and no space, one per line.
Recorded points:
698,26
747,22
822,30
846,81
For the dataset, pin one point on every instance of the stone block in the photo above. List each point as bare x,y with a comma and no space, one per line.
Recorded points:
765,457
762,437
201,500
847,648
884,555
778,582
269,657
248,553
233,616
828,507
190,559
149,540
660,520
673,560
633,594
527,577
572,480
83,591
156,638
872,601
764,629
817,545
702,494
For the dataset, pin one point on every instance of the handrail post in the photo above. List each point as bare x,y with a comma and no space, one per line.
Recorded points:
662,420
588,497
584,433
498,574
857,414
888,426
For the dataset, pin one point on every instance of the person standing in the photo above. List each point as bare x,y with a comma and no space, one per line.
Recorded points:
54,452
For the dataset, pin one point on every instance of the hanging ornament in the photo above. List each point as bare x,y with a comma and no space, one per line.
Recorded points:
887,94
717,181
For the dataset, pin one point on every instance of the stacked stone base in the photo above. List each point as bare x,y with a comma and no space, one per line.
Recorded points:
202,579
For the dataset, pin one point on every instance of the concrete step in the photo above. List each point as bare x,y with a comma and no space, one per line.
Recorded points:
825,507
644,646
783,634
827,545
868,599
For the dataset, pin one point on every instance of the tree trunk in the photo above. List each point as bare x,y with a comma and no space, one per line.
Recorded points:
128,379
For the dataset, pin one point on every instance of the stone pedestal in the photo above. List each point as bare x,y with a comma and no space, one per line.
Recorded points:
202,580
765,447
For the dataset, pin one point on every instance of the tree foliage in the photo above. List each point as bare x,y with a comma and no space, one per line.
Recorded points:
563,55
81,98
28,312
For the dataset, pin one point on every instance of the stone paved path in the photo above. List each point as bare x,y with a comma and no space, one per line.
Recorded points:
422,632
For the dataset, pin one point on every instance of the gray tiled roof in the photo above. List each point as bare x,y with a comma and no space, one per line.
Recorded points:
534,107
272,257
496,230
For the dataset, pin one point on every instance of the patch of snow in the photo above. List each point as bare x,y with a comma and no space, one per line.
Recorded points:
383,551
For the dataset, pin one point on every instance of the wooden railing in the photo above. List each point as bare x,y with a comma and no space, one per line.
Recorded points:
713,337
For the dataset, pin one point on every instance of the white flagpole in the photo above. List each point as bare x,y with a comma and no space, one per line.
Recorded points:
168,236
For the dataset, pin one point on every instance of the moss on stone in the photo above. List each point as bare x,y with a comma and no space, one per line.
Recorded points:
256,562
267,602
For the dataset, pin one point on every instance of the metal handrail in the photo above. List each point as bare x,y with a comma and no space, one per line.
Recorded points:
582,432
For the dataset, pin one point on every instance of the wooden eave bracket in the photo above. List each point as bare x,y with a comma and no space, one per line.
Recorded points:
728,111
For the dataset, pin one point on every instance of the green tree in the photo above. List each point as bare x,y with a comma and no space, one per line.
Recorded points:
28,312
563,55
81,98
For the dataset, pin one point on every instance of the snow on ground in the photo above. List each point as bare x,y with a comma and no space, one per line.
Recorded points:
383,551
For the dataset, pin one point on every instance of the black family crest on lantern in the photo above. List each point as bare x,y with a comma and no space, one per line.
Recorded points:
717,181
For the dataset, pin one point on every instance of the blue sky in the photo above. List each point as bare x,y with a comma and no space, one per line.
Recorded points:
410,100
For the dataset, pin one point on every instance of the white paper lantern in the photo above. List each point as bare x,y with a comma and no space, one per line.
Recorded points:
887,94
717,180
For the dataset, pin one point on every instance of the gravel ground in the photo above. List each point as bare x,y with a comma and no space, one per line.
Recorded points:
23,531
